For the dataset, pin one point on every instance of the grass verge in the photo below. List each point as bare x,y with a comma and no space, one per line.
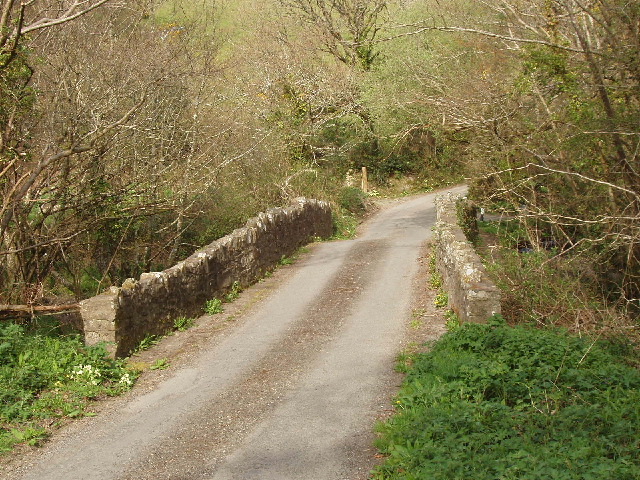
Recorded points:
46,376
498,402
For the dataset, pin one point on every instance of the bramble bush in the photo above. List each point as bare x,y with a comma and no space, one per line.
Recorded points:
47,375
492,401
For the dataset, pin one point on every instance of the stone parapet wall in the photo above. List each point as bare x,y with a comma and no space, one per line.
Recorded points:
472,296
124,316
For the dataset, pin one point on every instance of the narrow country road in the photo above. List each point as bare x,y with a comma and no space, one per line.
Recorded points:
290,388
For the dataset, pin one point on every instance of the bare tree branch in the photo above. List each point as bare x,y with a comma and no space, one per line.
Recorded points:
75,10
88,143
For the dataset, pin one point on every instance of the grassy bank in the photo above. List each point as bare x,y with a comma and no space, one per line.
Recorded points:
493,401
48,376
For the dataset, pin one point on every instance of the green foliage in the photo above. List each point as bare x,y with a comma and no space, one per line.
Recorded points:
467,219
27,435
234,293
550,67
146,343
435,280
560,154
441,299
45,375
183,323
538,287
284,260
333,136
548,287
140,202
353,200
16,97
403,361
213,306
159,364
488,227
452,321
344,225
416,318
510,232
490,401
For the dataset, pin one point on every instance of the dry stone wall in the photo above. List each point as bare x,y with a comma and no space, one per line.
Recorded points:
472,296
123,316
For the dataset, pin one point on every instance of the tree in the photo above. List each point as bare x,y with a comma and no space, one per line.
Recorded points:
348,28
18,20
103,156
560,135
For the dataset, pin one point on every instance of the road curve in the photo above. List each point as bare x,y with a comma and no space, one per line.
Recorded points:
291,391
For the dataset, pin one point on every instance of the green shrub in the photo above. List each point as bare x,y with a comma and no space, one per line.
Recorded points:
539,287
490,401
234,293
183,323
441,299
353,200
344,225
467,219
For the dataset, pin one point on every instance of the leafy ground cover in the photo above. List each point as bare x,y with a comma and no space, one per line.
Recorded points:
46,376
497,402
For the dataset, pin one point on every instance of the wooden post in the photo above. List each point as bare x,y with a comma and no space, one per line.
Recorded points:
365,183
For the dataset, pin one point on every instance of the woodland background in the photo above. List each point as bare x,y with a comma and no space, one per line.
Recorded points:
133,132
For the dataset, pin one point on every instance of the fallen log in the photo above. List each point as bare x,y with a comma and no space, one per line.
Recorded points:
31,310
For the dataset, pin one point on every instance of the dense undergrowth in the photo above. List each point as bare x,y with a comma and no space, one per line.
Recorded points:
47,376
549,286
499,402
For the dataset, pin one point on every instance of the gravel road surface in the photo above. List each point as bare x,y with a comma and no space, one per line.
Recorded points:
286,384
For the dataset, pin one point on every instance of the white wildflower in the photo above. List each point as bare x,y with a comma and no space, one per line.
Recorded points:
87,374
125,380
